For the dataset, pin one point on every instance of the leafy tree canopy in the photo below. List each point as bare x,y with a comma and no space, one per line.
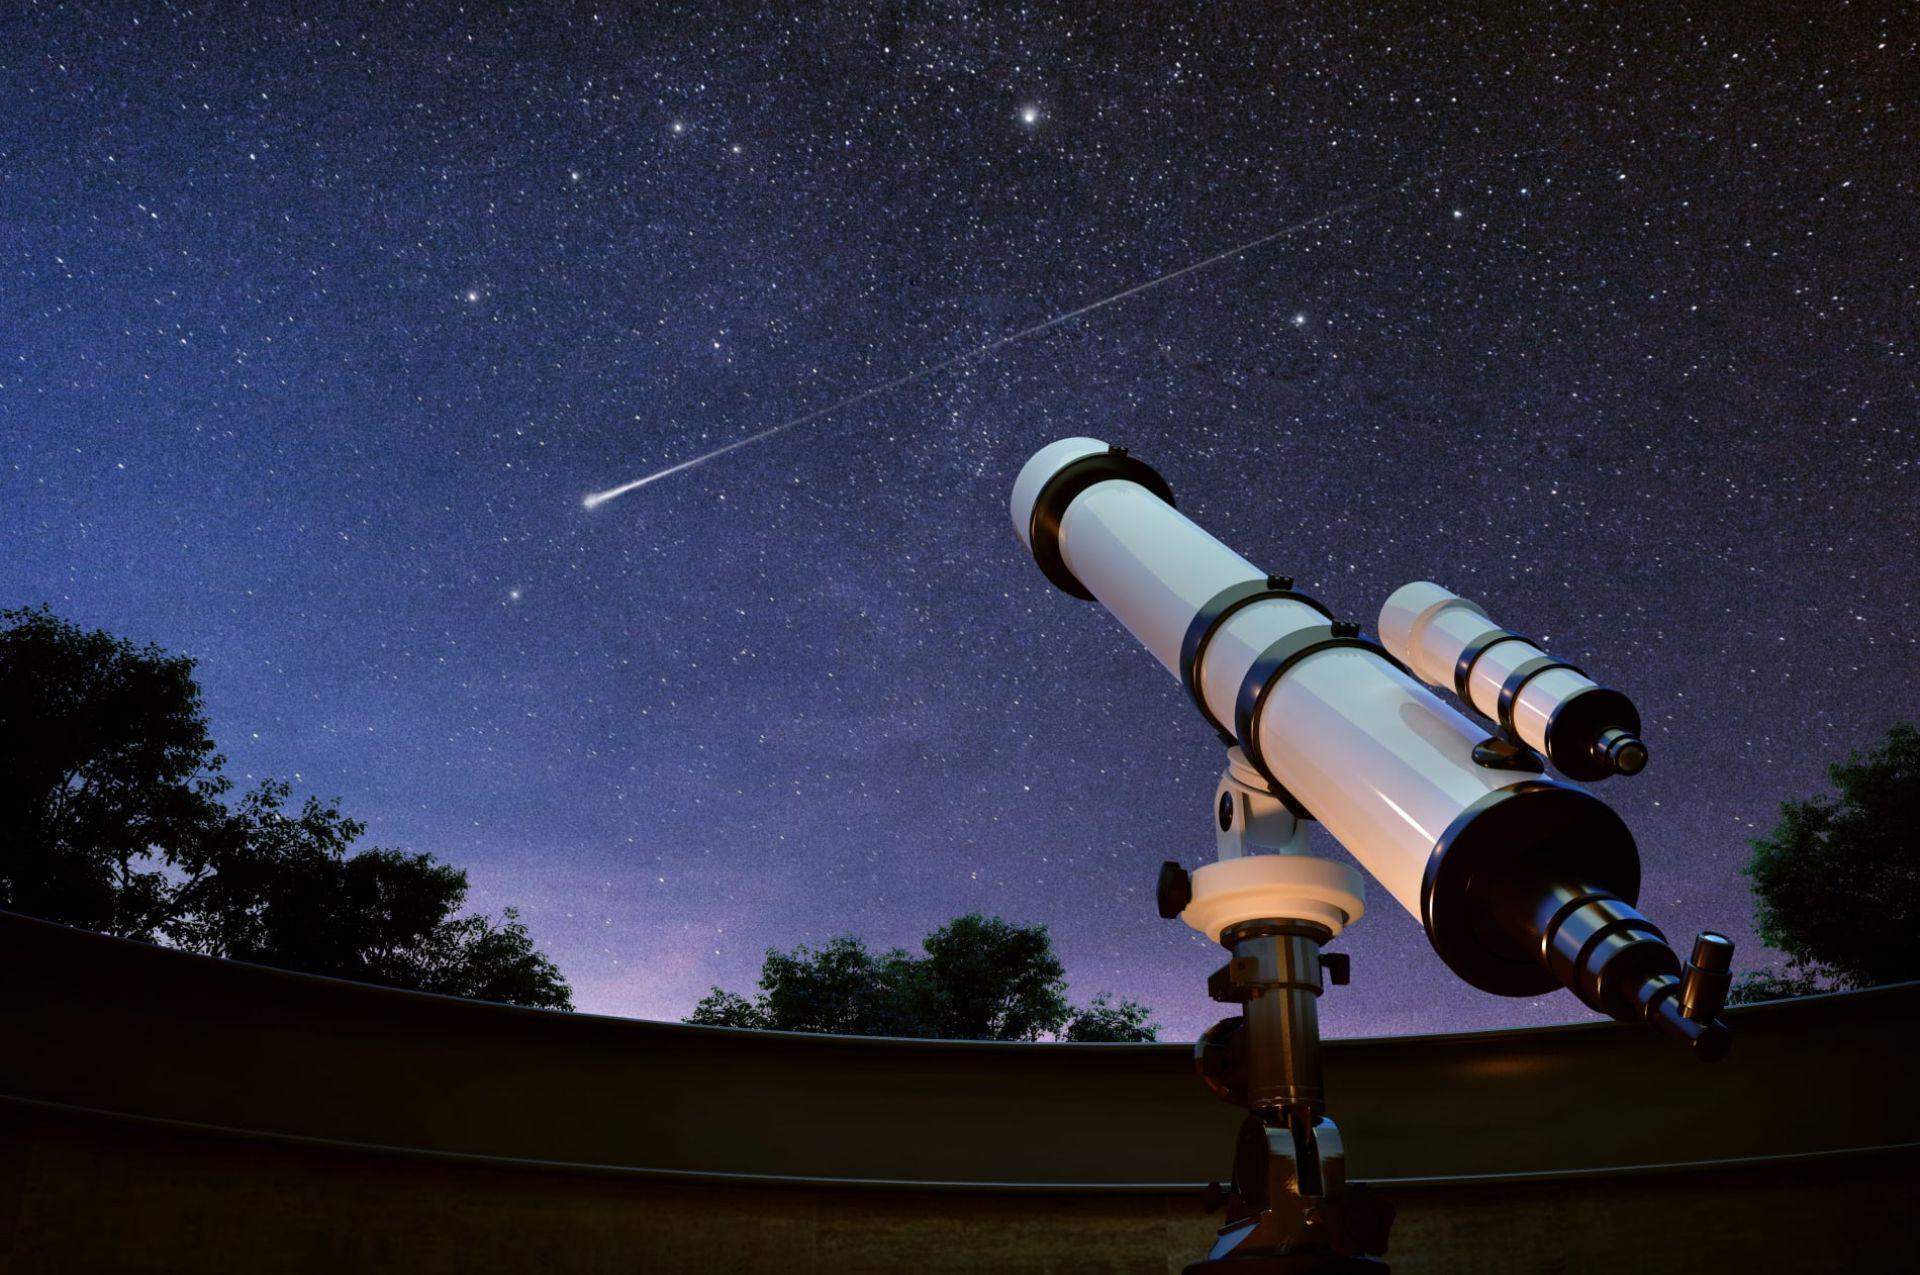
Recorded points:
1837,880
104,758
113,818
1110,1020
980,978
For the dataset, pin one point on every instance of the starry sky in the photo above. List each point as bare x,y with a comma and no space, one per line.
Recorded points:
316,326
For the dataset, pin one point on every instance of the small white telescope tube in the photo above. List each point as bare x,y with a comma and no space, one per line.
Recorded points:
1586,730
1521,885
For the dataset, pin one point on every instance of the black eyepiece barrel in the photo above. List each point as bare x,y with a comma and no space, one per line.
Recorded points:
1708,976
1619,963
1620,752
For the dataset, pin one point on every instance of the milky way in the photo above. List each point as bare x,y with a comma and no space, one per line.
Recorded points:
316,328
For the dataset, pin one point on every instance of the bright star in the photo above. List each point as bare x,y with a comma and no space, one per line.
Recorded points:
1029,115
1457,214
679,126
513,595
1299,320
473,294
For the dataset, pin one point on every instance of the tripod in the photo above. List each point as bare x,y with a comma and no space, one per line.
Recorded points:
1289,1208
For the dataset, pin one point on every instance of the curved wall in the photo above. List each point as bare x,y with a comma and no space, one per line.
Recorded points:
166,1105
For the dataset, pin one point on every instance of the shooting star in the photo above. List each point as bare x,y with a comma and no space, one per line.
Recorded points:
602,497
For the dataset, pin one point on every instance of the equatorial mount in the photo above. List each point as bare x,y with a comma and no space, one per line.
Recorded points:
1288,1207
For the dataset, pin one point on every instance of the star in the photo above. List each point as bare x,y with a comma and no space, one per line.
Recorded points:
900,211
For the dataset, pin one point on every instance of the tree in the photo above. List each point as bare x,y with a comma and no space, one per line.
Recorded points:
107,775
112,818
839,988
721,1008
1774,985
987,979
1837,881
1112,1021
981,978
285,890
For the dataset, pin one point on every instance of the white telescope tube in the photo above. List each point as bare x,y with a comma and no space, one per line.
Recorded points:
1521,885
1587,730
1378,759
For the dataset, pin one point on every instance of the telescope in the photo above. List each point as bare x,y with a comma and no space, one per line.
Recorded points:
1523,883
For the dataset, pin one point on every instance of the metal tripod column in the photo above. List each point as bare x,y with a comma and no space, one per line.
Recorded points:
1279,963
1282,1017
1289,1210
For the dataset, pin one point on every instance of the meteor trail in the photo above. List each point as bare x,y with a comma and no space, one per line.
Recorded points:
602,497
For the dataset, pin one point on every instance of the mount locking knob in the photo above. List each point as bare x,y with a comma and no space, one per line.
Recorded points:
1174,891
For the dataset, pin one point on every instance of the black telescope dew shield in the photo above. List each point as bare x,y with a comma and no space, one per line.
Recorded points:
1521,886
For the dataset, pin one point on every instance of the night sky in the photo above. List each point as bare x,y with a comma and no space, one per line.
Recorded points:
315,330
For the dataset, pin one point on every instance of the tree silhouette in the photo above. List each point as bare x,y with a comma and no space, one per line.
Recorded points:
1109,1020
1837,880
113,818
108,777
981,978
986,979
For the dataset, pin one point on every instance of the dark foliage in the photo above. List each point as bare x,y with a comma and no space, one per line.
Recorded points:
840,988
1774,985
1107,1020
981,978
113,818
1837,881
104,760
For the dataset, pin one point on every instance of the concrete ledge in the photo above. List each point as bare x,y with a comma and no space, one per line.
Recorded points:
81,1195
165,1112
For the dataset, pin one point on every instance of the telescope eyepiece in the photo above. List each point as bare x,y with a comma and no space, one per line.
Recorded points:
1708,976
1621,752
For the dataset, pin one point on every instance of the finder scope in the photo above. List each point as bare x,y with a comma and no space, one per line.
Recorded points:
1586,730
1522,883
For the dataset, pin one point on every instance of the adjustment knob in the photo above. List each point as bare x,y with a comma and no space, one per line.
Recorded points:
1174,891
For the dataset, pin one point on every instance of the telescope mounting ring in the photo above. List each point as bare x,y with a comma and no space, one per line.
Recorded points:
1050,507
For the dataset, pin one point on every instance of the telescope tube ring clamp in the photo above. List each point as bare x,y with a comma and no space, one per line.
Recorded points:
1050,507
1517,682
1268,668
1207,621
1470,655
